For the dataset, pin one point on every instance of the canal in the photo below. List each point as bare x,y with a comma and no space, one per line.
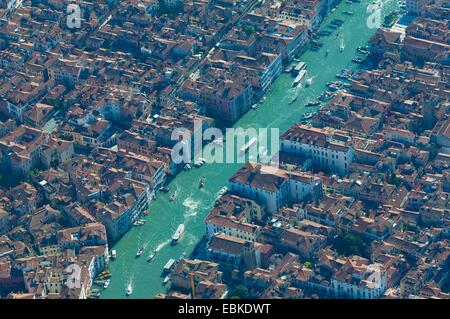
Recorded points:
192,204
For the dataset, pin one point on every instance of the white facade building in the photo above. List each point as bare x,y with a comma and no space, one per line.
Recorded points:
274,189
326,149
364,282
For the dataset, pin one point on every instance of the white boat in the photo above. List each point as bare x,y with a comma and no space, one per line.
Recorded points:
300,66
166,280
106,284
308,82
248,145
168,266
129,290
139,252
342,45
113,254
178,233
218,141
223,190
254,106
187,167
299,77
198,163
151,256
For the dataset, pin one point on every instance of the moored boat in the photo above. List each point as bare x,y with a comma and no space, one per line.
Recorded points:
299,77
165,189
168,266
223,190
166,279
105,275
311,104
307,116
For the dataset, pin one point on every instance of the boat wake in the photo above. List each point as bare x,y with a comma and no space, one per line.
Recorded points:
162,245
129,287
191,205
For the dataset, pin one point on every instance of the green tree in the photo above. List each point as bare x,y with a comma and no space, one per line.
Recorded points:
239,292
349,245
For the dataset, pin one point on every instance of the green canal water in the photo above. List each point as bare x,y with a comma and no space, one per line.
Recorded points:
192,204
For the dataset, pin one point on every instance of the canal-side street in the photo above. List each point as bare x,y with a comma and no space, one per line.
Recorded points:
192,204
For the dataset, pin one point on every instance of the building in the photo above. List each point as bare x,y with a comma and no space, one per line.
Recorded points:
275,189
121,206
415,7
358,280
233,253
327,148
233,216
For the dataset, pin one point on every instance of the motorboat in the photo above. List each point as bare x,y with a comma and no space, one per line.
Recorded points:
202,182
165,189
223,190
129,290
247,146
218,141
311,104
172,197
140,252
151,256
106,284
293,100
113,254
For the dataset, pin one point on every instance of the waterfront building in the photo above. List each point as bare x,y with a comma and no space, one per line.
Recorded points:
276,188
234,216
233,253
328,149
